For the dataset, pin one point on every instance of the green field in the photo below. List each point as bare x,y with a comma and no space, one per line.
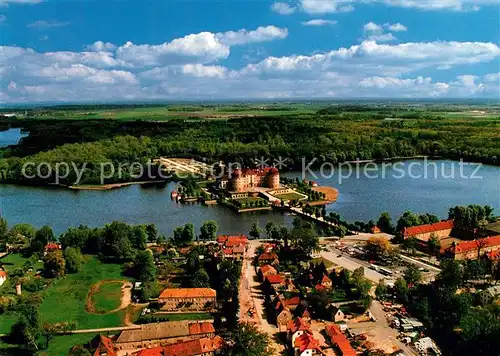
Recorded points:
6,322
107,297
60,345
65,299
290,196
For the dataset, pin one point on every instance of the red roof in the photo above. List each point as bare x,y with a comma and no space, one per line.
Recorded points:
298,324
267,256
52,246
3,274
475,244
292,301
275,279
339,339
187,348
105,347
423,229
319,287
325,279
266,269
169,293
201,328
307,342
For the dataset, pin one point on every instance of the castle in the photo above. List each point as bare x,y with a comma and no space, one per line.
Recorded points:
243,179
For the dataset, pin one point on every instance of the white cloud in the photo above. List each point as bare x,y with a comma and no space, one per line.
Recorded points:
5,3
283,8
366,70
243,36
397,27
375,32
384,37
319,22
326,6
100,46
44,24
455,5
372,27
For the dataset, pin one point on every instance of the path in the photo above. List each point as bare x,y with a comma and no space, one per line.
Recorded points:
125,299
251,296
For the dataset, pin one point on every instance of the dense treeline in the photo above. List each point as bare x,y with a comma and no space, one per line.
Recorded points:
334,138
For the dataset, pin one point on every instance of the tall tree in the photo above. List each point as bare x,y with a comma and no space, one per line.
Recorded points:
209,230
412,275
385,223
144,265
152,232
74,259
54,264
249,341
255,230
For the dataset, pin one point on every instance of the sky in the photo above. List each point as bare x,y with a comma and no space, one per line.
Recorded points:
105,51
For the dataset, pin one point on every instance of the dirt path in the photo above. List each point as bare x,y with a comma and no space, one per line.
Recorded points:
251,296
125,299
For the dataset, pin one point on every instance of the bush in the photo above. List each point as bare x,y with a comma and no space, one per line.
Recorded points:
34,285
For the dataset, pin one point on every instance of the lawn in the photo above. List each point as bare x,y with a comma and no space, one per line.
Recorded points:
6,322
327,263
107,297
13,261
61,345
65,299
290,196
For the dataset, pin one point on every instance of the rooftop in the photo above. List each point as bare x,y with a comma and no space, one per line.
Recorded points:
307,342
475,244
275,279
423,229
165,330
188,293
188,348
338,338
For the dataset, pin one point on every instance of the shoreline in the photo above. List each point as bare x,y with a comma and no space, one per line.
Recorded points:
99,187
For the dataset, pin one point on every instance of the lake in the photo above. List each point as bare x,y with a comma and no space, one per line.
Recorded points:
11,137
360,198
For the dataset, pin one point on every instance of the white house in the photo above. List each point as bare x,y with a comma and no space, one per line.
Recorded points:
3,277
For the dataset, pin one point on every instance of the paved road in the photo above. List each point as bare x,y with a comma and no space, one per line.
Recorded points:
351,263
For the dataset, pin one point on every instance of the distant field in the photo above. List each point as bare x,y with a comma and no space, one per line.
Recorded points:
65,299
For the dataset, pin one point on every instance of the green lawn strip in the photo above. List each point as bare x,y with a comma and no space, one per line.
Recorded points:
108,297
6,321
12,261
65,299
289,196
60,345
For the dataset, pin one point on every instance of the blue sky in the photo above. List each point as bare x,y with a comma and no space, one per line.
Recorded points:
58,50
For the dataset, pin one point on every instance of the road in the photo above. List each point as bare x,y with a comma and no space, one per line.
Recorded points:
251,295
351,263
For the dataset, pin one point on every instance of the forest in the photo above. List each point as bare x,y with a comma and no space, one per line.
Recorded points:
331,134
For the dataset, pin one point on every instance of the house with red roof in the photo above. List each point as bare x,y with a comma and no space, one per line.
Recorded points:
51,247
339,341
296,328
3,277
188,299
440,229
266,270
472,250
103,346
303,312
326,282
268,258
307,345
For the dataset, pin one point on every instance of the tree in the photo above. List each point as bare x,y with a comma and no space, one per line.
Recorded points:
184,235
401,289
209,230
410,245
270,228
74,259
116,241
200,279
451,274
385,223
4,228
79,350
377,248
144,266
412,275
139,237
42,237
434,245
152,232
249,341
54,264
25,230
255,230
381,290
303,237
28,329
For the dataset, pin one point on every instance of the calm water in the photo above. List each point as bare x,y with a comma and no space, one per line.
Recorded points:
359,199
10,137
